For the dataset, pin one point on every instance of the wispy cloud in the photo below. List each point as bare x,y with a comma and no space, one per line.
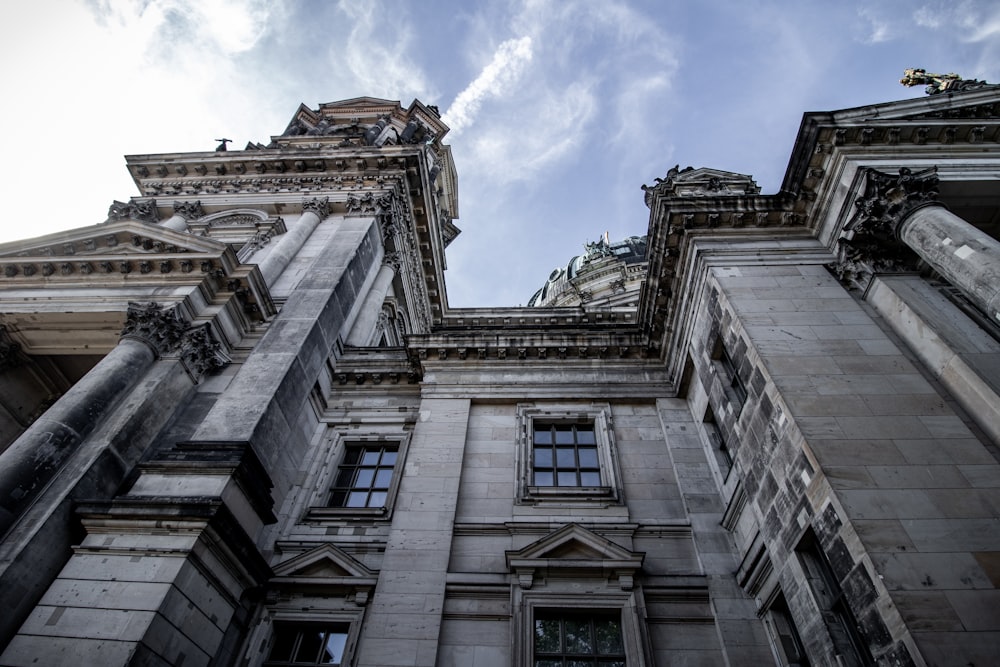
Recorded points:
497,77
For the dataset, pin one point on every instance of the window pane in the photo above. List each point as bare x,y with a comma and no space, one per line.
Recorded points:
588,457
609,636
543,479
365,478
370,457
585,436
590,479
548,663
377,499
547,635
334,650
352,455
356,499
566,479
578,639
389,458
543,457
565,457
312,642
345,477
382,478
564,435
543,436
338,498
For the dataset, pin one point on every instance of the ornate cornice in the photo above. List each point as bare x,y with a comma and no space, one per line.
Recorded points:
318,205
189,210
141,211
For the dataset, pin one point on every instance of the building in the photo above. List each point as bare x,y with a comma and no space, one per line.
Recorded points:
242,426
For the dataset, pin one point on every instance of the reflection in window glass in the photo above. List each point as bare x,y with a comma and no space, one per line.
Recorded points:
571,640
364,476
565,455
307,645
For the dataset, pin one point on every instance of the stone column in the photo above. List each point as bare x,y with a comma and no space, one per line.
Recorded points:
183,211
900,213
314,211
964,255
364,325
35,457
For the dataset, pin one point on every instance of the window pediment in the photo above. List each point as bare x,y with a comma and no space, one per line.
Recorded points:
575,551
329,568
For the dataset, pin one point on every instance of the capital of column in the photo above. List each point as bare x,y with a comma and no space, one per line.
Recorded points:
160,329
201,352
143,211
889,199
319,205
188,210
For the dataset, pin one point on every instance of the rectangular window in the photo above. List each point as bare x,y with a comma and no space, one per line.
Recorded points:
565,455
365,475
307,645
573,640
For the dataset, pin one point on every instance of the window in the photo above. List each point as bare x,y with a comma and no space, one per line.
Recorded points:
840,621
785,635
565,455
575,640
729,374
364,476
308,645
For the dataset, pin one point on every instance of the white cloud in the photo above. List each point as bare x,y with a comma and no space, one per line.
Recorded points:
377,54
497,77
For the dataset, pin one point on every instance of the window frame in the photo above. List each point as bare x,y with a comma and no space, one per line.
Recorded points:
598,415
330,465
527,604
300,628
563,654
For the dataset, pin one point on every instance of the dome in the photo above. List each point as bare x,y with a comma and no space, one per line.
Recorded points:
607,274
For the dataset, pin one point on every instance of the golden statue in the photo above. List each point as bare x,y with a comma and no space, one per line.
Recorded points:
939,83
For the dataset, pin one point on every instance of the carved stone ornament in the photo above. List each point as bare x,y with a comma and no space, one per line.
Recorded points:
319,205
189,210
870,241
142,211
889,199
939,83
160,329
201,353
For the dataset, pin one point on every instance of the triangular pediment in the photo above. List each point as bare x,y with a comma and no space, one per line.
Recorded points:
703,182
323,562
573,542
977,104
125,237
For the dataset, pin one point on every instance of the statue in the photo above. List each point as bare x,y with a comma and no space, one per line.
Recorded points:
939,83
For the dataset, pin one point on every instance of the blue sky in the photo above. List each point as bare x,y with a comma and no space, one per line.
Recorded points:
559,110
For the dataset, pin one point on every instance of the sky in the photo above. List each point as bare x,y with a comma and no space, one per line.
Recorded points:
559,110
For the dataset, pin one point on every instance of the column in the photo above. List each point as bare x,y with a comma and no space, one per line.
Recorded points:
905,209
183,211
35,457
361,332
964,255
314,211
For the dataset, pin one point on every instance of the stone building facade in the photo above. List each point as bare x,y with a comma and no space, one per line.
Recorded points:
241,425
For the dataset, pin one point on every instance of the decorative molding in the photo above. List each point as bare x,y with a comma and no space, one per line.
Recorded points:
141,211
160,329
201,352
189,210
318,205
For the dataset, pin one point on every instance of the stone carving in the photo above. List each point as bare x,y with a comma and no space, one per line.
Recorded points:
319,205
142,211
939,83
201,353
889,199
189,210
160,329
870,241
